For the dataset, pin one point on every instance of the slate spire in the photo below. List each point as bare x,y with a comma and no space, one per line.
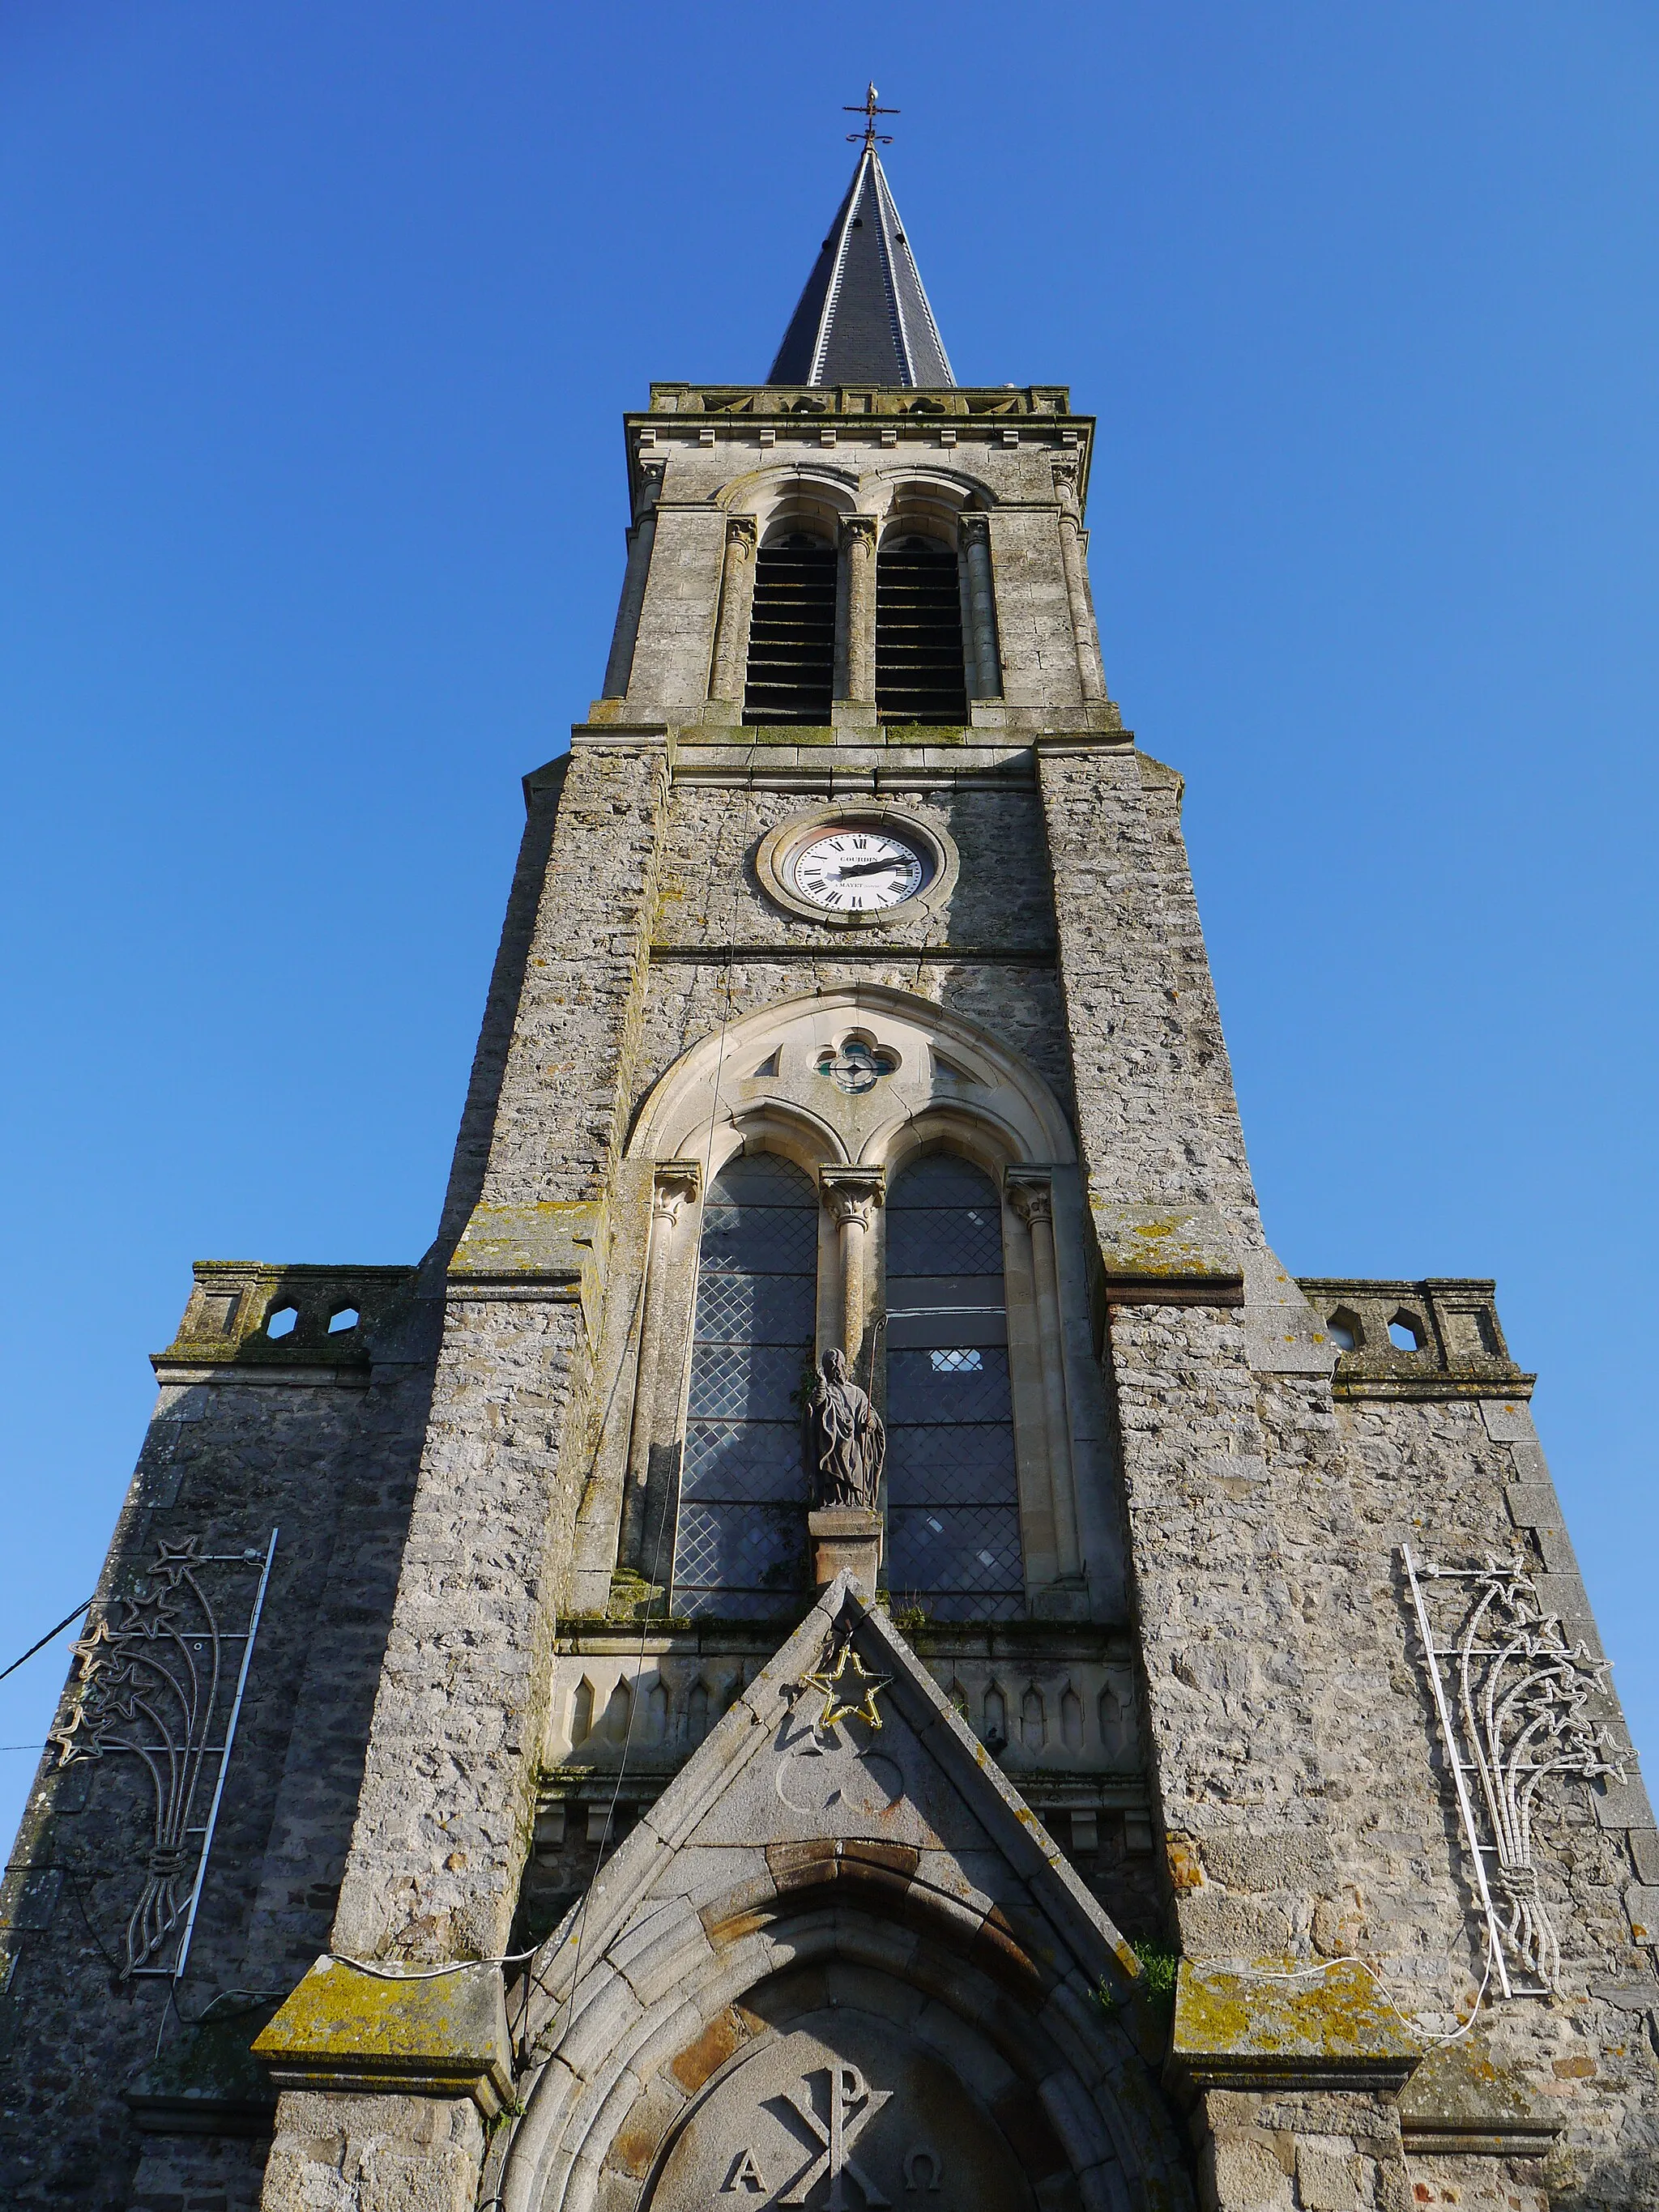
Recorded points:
864,317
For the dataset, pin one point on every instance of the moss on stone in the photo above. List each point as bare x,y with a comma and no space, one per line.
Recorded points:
1338,2015
438,2034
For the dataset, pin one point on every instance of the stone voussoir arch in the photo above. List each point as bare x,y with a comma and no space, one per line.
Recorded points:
812,492
955,1083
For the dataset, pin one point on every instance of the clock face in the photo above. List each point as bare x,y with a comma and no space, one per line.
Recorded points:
857,871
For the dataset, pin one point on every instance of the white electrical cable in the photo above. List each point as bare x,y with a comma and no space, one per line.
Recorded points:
1406,2019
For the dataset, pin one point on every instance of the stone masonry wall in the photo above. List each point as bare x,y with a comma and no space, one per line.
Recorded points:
712,895
567,1076
328,1457
1294,1761
477,1128
447,1806
1464,1480
1034,618
1159,1125
712,898
692,472
448,1796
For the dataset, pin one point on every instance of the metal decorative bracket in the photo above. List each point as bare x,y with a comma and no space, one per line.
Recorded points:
1510,1692
154,1684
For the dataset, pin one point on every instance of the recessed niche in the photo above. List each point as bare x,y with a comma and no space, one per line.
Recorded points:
218,1313
282,1320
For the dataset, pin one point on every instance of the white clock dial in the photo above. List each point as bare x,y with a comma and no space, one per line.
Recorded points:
857,871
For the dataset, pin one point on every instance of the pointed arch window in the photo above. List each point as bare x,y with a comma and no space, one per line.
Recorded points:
920,672
953,1540
740,1546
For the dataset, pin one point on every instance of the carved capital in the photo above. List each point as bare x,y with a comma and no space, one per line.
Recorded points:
1065,476
673,1184
741,536
858,533
1031,1192
976,529
850,1193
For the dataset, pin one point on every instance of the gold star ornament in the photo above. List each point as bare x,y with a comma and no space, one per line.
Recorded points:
841,1705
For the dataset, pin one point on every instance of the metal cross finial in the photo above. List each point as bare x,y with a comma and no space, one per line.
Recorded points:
869,111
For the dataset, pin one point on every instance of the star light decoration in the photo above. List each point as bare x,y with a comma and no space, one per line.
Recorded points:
838,1656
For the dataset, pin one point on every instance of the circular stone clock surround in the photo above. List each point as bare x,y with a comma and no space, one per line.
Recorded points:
775,860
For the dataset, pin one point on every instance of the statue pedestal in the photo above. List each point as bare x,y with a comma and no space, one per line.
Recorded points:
845,1537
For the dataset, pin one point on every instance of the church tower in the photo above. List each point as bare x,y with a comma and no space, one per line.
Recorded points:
848,1638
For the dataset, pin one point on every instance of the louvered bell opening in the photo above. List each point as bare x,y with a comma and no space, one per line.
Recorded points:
791,635
919,669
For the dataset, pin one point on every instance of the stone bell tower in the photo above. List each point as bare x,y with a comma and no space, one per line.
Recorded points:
849,1636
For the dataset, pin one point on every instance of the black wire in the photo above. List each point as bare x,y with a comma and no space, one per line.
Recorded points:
259,2000
41,1646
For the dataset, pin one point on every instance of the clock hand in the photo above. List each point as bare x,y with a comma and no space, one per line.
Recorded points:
867,868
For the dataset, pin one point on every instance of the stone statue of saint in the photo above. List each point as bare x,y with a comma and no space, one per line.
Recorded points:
846,1442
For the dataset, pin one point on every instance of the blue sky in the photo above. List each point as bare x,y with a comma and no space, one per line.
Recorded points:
316,323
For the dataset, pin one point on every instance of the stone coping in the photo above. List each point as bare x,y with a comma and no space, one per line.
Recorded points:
1247,2027
226,1318
437,2035
1462,1353
791,403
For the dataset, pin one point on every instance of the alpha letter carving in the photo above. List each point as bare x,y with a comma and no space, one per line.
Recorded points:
745,2174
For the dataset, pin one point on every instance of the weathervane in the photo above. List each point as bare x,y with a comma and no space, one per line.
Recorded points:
869,111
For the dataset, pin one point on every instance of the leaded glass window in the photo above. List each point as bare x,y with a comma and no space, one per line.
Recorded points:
740,1550
952,1494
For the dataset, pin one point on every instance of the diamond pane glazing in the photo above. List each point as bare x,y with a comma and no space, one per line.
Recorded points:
762,1179
953,1513
943,1179
917,1391
962,1547
743,1461
760,1240
738,1558
944,1217
944,1240
741,1547
722,1604
961,1463
756,1310
975,1604
746,1382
